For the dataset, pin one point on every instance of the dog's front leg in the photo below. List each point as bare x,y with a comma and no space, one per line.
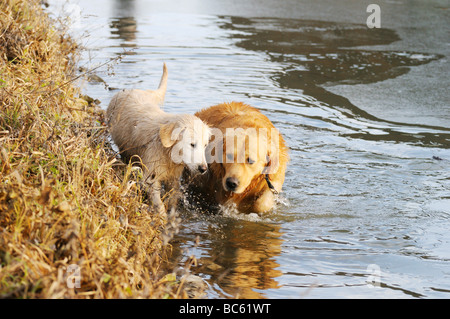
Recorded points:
266,199
265,202
174,195
155,197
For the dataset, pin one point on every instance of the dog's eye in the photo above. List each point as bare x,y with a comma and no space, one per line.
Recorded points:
250,161
193,145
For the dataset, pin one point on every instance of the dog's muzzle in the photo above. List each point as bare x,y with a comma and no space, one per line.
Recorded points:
232,183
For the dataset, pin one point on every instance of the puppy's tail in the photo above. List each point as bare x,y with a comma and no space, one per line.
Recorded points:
160,93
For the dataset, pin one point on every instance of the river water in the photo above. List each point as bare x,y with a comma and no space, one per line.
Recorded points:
365,211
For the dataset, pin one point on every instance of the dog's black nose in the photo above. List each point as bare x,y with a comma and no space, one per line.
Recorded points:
202,168
232,183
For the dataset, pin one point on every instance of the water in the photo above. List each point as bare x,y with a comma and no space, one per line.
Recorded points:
366,202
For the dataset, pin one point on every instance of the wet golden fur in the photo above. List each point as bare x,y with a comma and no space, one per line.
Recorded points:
253,193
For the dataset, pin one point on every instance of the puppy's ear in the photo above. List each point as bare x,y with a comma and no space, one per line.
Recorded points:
165,133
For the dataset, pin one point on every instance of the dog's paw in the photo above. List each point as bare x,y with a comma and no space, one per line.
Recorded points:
264,203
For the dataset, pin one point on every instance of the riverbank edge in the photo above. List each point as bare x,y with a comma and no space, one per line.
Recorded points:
73,221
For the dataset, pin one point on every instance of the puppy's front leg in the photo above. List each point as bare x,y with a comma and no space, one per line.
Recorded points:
155,196
174,195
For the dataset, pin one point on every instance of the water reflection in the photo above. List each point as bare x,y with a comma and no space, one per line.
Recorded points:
238,257
124,8
316,54
123,24
319,52
125,29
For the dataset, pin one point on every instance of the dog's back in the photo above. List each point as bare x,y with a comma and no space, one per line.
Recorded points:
128,112
234,114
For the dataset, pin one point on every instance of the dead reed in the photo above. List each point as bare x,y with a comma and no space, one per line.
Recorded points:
64,200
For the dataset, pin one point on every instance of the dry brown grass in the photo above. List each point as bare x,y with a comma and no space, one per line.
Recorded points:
64,200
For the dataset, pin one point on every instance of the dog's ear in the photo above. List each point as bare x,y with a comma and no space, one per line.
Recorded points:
165,133
272,160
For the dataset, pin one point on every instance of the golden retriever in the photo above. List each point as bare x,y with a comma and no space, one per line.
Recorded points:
165,143
247,156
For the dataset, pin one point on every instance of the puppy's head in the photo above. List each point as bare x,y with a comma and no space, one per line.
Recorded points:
246,155
187,137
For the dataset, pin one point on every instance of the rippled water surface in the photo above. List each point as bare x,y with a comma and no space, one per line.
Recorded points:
365,210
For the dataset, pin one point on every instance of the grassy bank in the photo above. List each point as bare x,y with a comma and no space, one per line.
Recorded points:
66,205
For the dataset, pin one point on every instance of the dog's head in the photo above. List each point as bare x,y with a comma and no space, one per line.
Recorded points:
247,153
187,137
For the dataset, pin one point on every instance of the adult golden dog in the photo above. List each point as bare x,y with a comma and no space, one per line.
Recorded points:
247,158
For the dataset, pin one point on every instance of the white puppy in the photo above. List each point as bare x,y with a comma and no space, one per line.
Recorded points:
165,143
